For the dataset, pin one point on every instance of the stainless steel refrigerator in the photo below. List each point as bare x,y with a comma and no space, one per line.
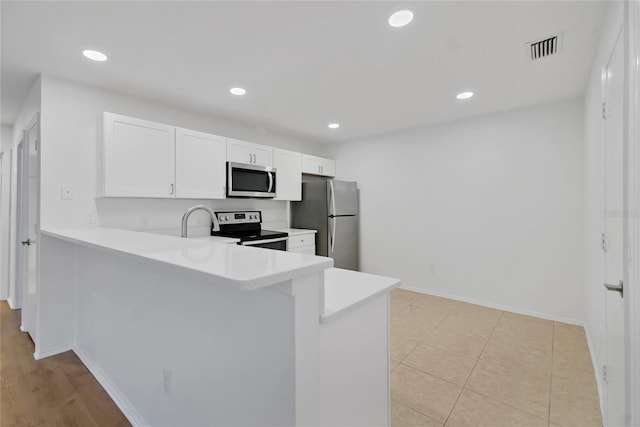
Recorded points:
331,207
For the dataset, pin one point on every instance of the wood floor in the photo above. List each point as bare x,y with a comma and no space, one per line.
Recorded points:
453,364
56,391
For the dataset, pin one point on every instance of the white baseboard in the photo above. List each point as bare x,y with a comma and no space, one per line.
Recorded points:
112,390
499,307
12,304
596,368
41,354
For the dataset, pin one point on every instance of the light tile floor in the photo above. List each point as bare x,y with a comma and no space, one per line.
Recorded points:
460,364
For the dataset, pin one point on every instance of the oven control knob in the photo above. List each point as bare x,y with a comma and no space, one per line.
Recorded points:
226,218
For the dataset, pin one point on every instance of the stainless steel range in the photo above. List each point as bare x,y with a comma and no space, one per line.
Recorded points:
247,226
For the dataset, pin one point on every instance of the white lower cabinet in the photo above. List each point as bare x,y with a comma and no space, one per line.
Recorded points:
200,165
288,166
302,243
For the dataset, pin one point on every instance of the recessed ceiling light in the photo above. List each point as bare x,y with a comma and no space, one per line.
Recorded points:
464,95
401,18
334,125
237,91
94,55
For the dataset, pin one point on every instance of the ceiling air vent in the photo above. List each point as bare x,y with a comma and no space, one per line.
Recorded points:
546,47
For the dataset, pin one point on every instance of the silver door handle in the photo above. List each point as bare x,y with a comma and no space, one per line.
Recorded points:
270,182
26,242
250,158
616,288
170,188
333,199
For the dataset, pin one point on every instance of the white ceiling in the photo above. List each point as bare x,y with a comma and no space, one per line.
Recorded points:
306,64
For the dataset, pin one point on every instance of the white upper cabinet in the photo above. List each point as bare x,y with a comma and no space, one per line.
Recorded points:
136,158
139,158
318,165
200,165
248,152
288,166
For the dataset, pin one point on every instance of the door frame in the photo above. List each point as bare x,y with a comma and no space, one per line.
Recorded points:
4,284
16,292
631,136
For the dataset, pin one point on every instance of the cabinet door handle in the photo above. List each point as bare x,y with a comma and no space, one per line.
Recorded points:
254,158
321,169
250,158
171,189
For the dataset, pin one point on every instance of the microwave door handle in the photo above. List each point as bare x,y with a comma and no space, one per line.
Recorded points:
270,182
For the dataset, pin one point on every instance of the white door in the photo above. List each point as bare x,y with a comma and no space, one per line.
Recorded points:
201,160
32,198
614,396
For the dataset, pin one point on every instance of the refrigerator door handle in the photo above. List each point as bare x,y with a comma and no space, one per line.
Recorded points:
332,223
332,211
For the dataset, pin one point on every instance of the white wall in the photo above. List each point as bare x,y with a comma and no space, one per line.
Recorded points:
594,190
6,137
486,210
69,122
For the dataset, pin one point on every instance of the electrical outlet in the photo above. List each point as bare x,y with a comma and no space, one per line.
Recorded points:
166,381
67,193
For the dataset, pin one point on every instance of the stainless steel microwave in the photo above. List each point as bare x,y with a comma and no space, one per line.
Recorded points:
244,180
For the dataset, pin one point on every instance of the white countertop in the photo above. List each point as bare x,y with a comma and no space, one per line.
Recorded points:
242,267
294,231
346,289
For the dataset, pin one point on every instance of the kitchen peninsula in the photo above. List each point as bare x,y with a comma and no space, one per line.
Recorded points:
193,332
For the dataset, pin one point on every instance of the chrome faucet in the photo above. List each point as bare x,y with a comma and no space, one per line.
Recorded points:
185,218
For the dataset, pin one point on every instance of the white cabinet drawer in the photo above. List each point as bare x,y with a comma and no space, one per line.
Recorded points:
302,240
309,250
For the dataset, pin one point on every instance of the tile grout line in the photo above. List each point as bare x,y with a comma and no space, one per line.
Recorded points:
464,386
504,403
477,360
415,410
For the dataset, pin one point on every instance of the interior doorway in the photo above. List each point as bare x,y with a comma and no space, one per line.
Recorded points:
614,369
28,225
